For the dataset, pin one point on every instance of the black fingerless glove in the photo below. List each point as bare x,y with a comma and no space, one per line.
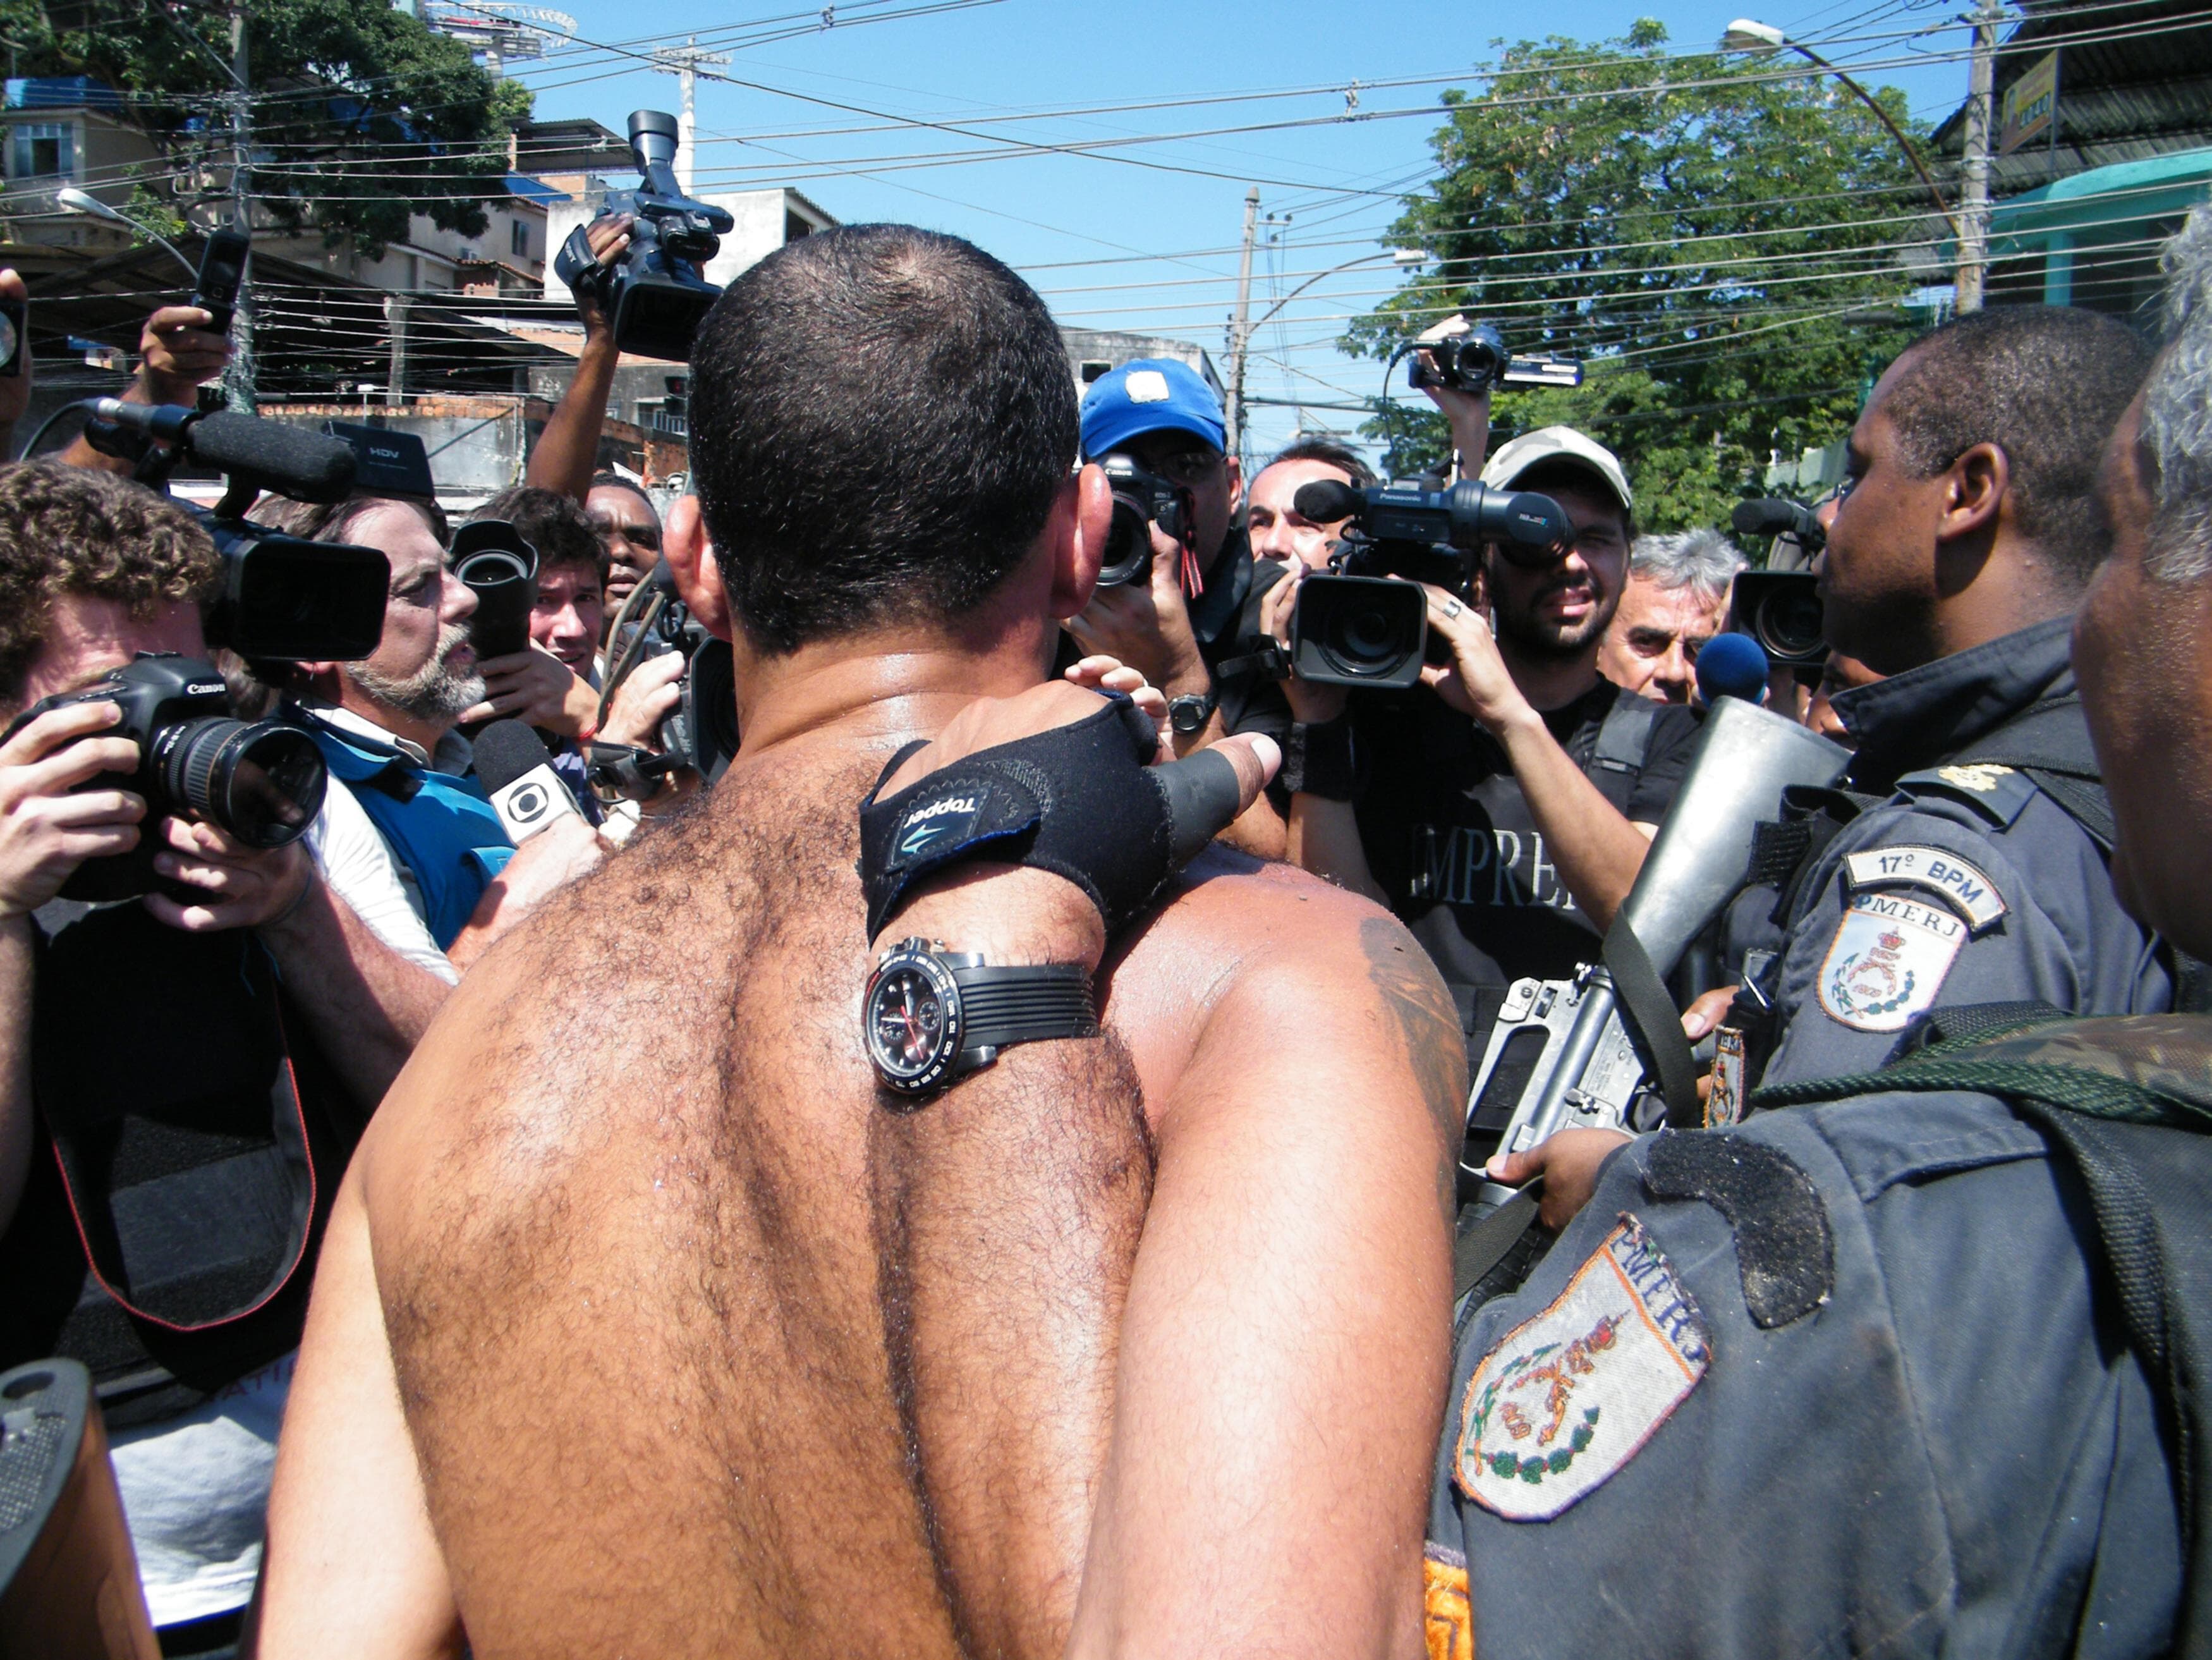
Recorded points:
1079,801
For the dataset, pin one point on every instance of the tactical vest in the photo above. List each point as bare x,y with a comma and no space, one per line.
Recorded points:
441,828
2126,1101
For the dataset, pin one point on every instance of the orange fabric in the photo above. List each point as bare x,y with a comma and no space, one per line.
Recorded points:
1445,1618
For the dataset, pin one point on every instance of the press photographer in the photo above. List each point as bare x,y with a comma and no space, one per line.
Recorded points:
1502,808
209,1051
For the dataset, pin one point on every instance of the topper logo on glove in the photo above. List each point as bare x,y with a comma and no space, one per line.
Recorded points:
921,827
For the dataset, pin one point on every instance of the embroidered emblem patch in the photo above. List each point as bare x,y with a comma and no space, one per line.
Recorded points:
1887,961
1981,777
1724,1103
1568,1398
1969,892
1146,386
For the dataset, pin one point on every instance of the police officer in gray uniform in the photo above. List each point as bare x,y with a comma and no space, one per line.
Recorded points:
1958,554
1855,1378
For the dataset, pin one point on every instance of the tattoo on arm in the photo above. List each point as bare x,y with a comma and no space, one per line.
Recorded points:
1436,1047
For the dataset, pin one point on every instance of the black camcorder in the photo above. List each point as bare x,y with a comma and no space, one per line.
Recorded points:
700,731
1358,625
1780,609
1141,500
1478,360
280,598
261,782
654,294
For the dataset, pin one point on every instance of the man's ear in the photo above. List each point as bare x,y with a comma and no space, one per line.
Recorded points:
698,575
1236,484
1081,518
1973,490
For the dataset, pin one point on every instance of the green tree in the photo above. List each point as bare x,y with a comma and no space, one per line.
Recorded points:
360,114
1716,244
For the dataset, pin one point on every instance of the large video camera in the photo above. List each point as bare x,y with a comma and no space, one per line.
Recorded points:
280,598
654,294
700,731
1358,626
261,782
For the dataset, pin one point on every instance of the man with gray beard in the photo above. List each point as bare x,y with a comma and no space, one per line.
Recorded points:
406,837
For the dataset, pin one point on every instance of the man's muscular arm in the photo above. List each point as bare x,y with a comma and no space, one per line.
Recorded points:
1010,1215
363,1578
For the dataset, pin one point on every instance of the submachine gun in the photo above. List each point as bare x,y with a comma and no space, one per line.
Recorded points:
1562,1055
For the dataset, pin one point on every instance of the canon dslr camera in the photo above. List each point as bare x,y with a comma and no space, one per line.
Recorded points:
260,781
654,294
1359,627
1141,500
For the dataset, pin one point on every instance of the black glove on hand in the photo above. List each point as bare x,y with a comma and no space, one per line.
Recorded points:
1079,801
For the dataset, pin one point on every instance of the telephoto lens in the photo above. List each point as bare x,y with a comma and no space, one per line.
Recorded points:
496,564
261,782
1780,609
1141,500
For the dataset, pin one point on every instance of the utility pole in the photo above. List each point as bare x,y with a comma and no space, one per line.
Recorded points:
238,377
1972,278
685,63
1240,331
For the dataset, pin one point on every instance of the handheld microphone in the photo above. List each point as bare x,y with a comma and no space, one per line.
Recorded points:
1777,515
1732,665
516,769
307,466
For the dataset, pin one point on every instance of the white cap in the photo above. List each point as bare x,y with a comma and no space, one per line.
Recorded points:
1531,449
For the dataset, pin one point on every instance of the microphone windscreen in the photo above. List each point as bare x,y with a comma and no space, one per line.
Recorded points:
505,750
1774,515
1732,665
1325,501
308,466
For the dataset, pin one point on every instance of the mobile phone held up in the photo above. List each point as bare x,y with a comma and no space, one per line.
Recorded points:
223,274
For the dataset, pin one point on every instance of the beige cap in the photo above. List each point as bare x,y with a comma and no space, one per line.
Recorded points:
1531,449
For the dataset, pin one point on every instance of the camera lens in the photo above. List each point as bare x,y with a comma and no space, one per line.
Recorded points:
1129,555
1369,638
1788,625
262,783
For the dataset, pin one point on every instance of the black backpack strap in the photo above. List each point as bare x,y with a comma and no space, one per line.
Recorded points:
1624,739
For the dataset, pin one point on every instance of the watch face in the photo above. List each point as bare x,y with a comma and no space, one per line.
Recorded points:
913,1022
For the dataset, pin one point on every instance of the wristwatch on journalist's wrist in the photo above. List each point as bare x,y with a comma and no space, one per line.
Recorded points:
931,1017
1188,715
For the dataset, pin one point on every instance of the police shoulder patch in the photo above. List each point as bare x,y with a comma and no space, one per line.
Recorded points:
1935,870
1887,961
1570,1396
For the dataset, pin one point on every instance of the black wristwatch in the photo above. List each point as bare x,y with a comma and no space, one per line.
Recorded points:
1188,714
932,1016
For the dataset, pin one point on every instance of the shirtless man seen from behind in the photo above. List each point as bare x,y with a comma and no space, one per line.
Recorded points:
644,1327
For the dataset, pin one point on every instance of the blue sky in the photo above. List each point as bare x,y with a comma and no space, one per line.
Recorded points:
1143,235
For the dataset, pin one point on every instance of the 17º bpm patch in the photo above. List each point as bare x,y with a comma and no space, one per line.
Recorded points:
1887,960
1566,1400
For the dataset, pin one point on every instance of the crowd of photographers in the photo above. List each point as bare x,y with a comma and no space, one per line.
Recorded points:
241,874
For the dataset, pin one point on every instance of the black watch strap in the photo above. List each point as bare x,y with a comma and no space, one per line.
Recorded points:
1321,761
1004,1005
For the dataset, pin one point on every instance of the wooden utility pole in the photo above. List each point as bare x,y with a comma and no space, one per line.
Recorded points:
239,377
1240,331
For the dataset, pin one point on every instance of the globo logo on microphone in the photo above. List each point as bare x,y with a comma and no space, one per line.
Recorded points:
529,803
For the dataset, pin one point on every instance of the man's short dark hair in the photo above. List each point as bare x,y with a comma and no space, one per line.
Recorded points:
2045,384
76,530
551,523
881,419
610,480
1329,453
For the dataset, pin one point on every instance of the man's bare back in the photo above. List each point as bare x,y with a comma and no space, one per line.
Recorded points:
619,1208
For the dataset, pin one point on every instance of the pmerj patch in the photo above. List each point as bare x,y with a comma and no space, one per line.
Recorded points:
1933,870
1887,961
1569,1397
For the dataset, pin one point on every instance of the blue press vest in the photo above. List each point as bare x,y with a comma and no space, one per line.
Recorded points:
442,828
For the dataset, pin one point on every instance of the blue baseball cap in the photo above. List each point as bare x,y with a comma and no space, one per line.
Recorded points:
1149,395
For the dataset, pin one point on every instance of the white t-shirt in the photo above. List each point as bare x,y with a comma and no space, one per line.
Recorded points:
359,864
196,1494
